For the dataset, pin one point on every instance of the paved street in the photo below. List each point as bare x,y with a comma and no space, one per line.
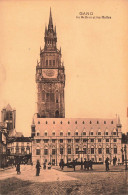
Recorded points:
64,182
28,172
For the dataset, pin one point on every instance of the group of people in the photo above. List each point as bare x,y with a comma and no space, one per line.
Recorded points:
86,164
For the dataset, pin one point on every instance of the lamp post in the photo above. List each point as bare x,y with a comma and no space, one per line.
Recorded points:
125,150
81,152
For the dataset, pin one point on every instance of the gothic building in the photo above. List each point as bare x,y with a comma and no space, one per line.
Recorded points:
50,77
56,137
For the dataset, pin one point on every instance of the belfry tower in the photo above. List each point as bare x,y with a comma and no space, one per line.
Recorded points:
50,77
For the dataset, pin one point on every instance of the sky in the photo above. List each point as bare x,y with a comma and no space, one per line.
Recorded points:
94,52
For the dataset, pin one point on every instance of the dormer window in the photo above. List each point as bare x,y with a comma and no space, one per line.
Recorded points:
53,133
90,122
76,133
45,133
61,133
104,122
91,133
84,133
69,133
99,132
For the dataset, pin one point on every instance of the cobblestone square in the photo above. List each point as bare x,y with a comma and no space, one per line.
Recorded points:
55,181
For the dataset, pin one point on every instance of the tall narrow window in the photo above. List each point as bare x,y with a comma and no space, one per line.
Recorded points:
52,99
53,62
43,95
46,62
47,97
50,63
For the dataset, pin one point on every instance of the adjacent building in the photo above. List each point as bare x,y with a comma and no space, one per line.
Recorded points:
3,145
56,137
19,149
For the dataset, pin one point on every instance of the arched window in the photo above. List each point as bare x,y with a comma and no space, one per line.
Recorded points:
57,114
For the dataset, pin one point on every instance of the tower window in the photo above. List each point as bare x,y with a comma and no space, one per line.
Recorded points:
47,97
50,63
52,99
43,96
46,62
53,62
57,114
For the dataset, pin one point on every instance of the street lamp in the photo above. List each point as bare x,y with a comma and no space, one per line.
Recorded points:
125,150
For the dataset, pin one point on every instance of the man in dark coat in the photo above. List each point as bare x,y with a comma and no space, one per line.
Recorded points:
18,168
107,163
38,168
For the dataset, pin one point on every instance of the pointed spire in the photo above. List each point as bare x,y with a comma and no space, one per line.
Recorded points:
50,25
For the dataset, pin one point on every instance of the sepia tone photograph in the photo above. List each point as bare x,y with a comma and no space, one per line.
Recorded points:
63,97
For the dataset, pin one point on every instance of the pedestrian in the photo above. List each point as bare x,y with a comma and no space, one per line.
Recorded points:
107,163
74,164
18,168
44,165
90,164
38,168
115,160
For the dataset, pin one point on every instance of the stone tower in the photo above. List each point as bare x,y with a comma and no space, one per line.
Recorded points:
50,77
8,116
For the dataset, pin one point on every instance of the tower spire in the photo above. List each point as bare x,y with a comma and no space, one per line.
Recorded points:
50,25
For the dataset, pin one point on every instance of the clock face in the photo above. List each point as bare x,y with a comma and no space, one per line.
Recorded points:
50,73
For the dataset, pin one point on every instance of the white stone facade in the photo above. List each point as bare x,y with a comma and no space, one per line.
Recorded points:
65,138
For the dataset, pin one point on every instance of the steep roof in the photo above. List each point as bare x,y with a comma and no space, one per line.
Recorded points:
73,124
